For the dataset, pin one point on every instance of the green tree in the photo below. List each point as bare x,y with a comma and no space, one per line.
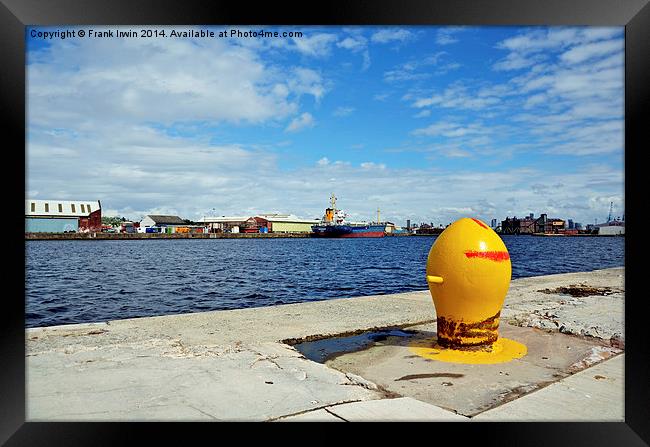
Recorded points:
112,220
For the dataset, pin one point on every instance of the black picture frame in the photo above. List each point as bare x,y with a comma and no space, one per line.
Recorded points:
15,15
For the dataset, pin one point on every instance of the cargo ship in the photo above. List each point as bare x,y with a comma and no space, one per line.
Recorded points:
333,224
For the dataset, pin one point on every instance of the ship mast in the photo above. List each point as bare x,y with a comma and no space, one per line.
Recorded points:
378,220
333,203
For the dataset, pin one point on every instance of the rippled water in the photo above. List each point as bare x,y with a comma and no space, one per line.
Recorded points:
86,281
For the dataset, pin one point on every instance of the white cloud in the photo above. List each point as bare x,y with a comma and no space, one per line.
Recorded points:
571,85
343,111
404,75
317,45
450,130
557,38
444,69
597,138
302,122
164,82
408,70
353,43
517,61
307,81
356,43
584,52
578,44
447,36
457,96
392,35
535,100
366,60
372,165
155,172
457,153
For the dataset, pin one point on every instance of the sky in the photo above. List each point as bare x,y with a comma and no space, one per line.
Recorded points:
426,123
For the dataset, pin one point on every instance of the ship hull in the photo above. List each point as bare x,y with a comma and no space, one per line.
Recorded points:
348,231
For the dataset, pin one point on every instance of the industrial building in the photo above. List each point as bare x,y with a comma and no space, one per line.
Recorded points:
611,230
614,227
287,223
518,226
62,216
166,224
530,225
224,224
261,223
549,225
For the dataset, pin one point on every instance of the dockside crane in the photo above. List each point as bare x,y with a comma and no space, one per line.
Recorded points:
611,206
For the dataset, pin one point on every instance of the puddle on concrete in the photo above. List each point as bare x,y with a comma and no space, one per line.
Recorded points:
328,348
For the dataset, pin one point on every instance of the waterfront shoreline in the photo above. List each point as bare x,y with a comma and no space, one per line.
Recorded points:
163,368
143,236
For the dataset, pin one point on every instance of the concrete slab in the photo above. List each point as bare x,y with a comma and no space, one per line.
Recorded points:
145,383
472,389
595,394
404,409
602,316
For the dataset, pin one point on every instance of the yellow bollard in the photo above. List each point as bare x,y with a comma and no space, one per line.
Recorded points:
468,272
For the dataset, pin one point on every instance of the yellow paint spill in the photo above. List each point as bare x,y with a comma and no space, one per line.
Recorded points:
503,350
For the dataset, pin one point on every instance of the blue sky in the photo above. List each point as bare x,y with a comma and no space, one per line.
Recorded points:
427,123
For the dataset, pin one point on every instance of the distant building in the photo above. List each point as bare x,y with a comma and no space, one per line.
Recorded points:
544,224
518,226
570,224
428,229
261,223
613,227
224,223
287,223
130,227
609,230
530,225
166,224
62,216
493,224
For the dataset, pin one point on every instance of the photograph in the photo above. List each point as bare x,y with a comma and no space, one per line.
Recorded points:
349,211
332,223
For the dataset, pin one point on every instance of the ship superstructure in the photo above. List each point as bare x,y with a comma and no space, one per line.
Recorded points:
334,224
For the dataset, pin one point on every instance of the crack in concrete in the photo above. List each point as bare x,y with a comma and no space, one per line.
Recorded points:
335,415
270,359
204,412
322,407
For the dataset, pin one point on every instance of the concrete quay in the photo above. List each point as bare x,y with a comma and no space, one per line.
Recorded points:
246,365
